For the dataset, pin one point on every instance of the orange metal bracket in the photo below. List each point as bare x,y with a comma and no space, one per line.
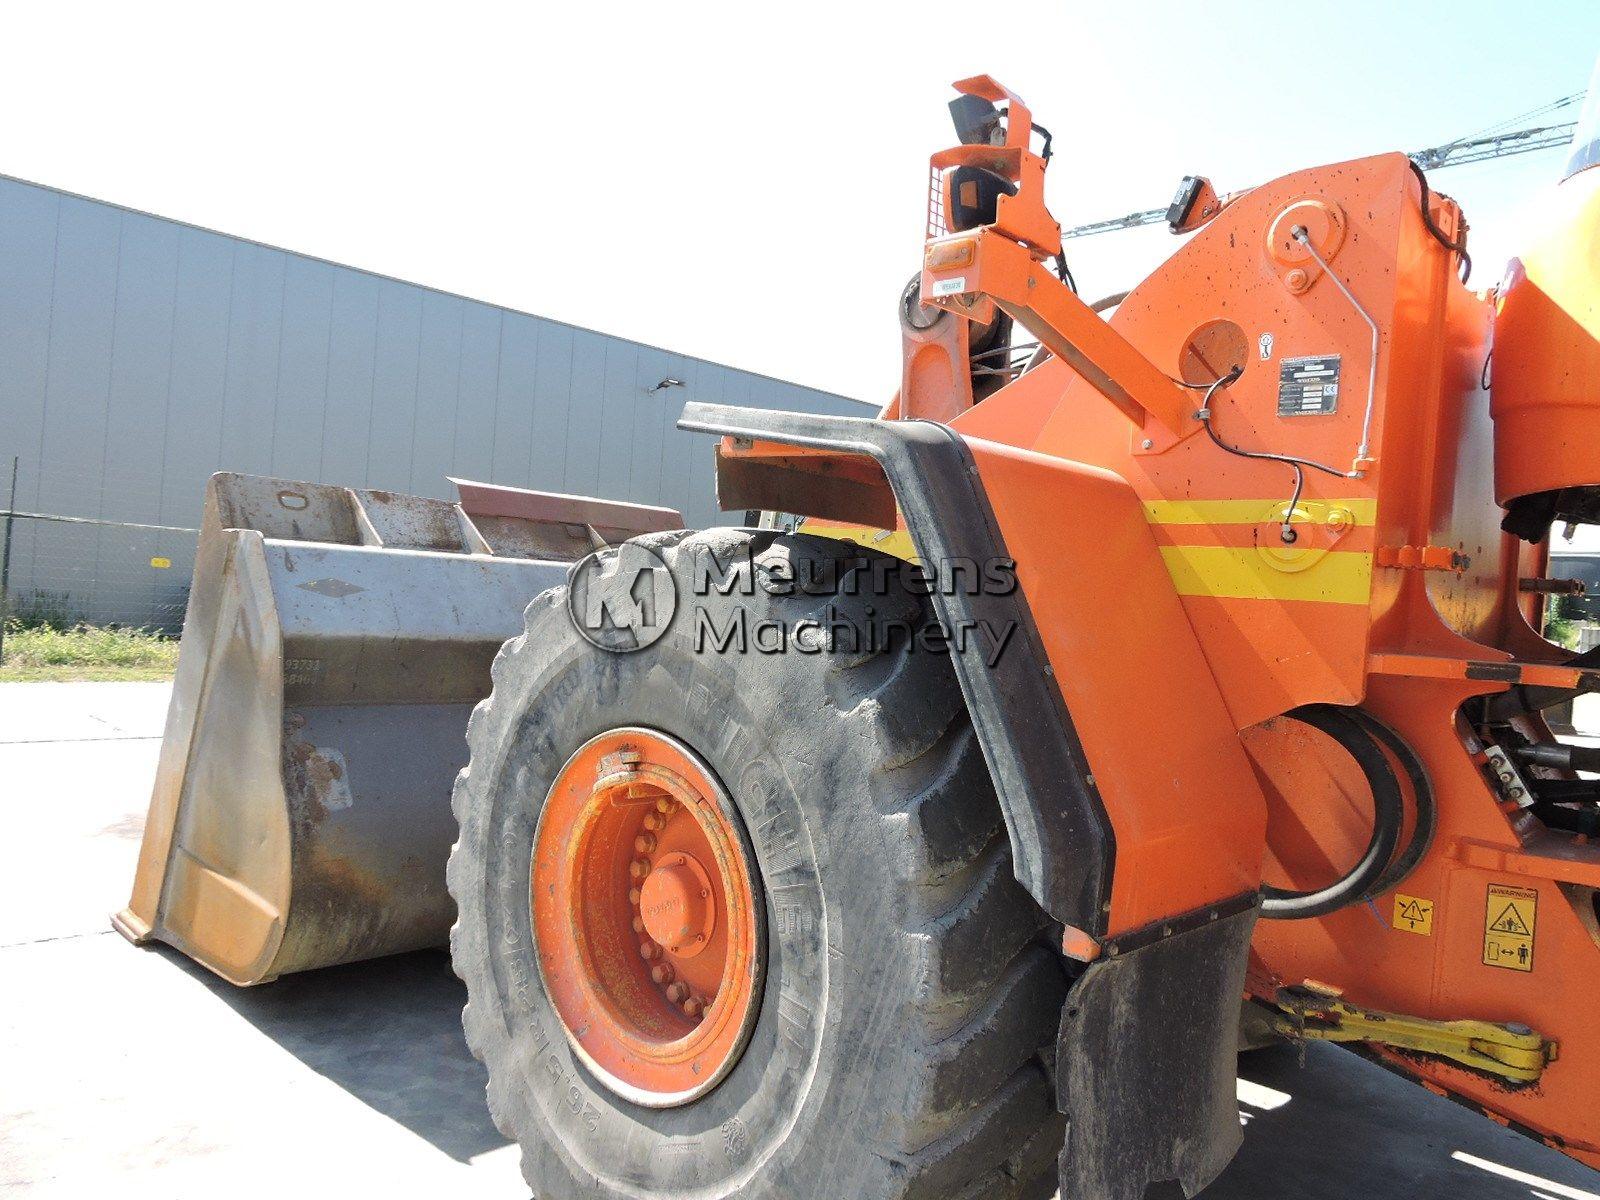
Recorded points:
1003,271
1501,670
936,368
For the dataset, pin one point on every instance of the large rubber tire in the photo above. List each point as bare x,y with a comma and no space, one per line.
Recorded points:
905,1042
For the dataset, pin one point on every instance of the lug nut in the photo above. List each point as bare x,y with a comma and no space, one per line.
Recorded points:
645,843
677,992
662,974
633,898
693,1007
638,924
654,822
649,950
665,805
639,868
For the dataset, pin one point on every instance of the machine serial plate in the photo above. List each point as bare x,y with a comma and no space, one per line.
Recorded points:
1308,386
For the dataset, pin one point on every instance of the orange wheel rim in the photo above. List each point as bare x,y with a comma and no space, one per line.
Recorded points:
645,913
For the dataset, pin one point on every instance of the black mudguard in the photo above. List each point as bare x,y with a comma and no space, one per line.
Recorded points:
1146,1058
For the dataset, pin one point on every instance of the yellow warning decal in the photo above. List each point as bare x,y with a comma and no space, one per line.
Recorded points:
161,564
1508,927
1413,914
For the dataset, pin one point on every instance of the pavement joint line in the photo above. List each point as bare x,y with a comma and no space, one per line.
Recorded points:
60,937
125,737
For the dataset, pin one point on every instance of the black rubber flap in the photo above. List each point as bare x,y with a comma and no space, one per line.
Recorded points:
1146,1066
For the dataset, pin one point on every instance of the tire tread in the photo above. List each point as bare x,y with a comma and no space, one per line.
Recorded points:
976,1038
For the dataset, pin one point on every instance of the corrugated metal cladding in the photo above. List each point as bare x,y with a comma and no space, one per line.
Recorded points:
139,355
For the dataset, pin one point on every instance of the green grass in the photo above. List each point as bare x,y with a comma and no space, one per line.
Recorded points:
1561,617
46,653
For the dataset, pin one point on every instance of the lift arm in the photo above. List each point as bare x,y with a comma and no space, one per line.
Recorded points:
961,272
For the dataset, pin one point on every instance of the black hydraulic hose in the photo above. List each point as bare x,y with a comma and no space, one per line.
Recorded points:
1427,822
1388,815
1066,273
1459,246
1560,756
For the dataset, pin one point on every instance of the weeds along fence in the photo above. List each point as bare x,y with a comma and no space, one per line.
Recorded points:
66,560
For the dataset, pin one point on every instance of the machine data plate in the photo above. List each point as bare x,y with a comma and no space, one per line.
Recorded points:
1308,387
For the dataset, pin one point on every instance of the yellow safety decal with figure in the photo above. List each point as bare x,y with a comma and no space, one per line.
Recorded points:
1508,927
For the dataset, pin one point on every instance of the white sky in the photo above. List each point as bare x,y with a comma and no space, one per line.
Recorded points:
743,182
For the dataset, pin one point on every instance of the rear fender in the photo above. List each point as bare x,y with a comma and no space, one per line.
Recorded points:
1127,795
1134,816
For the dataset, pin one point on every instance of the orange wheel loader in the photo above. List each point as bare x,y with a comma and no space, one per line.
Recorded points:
1182,663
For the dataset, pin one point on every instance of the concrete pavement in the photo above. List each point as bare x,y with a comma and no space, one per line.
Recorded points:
133,1073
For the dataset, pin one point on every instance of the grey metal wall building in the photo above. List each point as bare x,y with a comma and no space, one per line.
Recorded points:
138,355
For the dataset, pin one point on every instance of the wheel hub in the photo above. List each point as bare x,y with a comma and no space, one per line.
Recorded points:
645,911
675,902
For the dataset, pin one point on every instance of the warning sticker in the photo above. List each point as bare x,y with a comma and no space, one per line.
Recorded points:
1508,927
1413,914
161,564
1308,387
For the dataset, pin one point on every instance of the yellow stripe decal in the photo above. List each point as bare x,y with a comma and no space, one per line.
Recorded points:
1243,512
1240,573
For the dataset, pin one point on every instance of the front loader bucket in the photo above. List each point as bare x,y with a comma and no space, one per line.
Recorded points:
335,643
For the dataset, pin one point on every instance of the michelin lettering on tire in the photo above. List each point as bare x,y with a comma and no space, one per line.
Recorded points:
621,598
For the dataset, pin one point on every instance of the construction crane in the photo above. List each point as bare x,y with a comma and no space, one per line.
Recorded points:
1472,149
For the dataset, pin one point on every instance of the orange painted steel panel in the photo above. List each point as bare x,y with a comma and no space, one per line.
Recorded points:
1365,951
1406,649
1169,613
1143,700
1270,653
1547,350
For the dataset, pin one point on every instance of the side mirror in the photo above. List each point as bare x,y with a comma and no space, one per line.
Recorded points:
1195,203
972,197
976,119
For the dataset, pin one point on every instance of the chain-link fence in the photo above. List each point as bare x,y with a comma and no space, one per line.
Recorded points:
67,558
